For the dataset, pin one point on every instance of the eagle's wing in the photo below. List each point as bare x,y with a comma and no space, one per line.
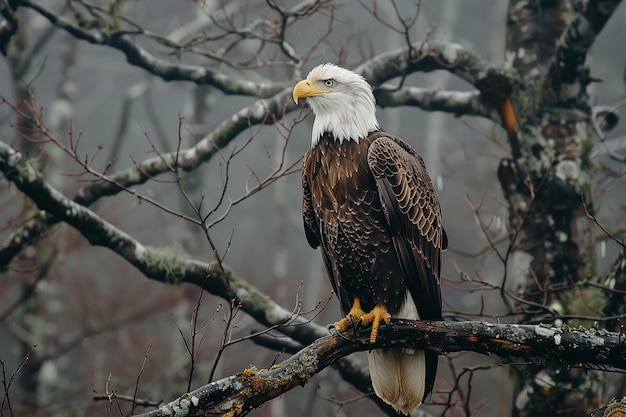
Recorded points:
411,207
311,229
312,232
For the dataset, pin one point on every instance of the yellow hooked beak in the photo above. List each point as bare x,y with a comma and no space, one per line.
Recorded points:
305,88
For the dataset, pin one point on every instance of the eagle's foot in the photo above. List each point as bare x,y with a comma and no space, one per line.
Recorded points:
375,317
352,318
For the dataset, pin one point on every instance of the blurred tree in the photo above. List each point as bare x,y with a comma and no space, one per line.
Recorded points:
208,169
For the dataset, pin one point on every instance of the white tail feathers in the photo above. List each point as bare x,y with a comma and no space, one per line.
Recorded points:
398,377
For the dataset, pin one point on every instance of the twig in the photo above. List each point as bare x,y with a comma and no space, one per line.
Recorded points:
604,230
6,384
143,365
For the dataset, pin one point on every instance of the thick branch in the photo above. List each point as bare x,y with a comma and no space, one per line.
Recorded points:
564,347
494,84
564,82
466,103
158,264
8,27
262,111
378,70
463,62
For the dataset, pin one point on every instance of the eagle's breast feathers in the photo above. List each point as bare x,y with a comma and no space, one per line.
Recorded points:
365,202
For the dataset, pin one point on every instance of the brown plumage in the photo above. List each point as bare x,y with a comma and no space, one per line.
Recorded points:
345,186
370,206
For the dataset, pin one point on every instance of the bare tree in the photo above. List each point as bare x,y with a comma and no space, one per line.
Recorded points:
553,307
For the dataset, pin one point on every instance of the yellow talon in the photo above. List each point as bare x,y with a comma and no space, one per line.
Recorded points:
378,314
356,314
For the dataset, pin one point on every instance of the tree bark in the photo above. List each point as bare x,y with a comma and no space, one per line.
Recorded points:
547,182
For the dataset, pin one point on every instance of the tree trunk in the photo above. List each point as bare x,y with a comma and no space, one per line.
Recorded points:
547,183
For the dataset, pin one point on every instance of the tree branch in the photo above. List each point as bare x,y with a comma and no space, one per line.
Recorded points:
563,82
461,103
494,83
8,27
463,62
262,111
140,57
561,346
158,264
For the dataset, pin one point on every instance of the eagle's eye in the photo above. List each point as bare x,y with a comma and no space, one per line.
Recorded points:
329,83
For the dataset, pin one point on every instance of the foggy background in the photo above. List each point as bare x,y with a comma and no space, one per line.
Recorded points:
261,238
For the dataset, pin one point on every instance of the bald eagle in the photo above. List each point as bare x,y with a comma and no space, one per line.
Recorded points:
369,204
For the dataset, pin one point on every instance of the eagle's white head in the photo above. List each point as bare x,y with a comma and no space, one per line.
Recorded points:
341,100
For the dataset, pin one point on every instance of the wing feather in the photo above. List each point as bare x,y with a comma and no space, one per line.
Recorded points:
412,210
314,235
308,216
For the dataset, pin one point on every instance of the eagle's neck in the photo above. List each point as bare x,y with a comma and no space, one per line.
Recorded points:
330,142
344,118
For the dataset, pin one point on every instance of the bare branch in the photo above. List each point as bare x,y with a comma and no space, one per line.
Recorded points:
465,103
463,62
595,220
143,366
138,56
261,112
